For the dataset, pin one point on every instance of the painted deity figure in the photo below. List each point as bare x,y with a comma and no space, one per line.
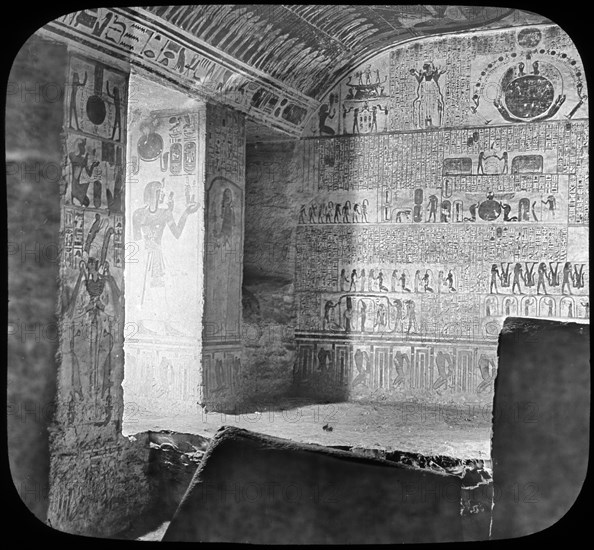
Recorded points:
93,310
148,224
224,231
428,104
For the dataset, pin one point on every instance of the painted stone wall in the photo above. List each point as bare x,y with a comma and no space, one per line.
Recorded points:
223,258
138,36
444,186
164,253
97,477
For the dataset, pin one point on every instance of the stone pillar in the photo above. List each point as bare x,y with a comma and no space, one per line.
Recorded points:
224,216
97,477
185,199
165,250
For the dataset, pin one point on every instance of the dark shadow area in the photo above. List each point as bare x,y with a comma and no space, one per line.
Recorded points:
34,112
327,493
541,423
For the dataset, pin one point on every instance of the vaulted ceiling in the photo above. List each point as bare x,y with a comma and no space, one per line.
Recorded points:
308,46
275,63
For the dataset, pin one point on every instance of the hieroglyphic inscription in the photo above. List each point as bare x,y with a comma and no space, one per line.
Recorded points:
410,160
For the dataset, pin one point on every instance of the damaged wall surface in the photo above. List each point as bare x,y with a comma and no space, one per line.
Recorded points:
86,445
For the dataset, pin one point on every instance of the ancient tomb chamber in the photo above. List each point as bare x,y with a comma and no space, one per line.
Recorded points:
228,235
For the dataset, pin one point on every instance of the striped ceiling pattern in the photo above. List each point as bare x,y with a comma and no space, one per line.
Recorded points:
308,46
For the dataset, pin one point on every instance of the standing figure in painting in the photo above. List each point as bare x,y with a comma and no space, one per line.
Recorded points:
364,211
400,359
346,209
373,119
149,222
381,317
363,278
412,317
117,123
76,84
343,279
578,276
79,162
432,208
553,274
398,317
542,275
505,275
371,280
417,280
428,105
329,209
550,305
394,279
524,210
480,167
312,213
302,214
348,315
337,213
567,277
353,285
322,213
518,276
529,277
551,205
92,326
224,231
356,213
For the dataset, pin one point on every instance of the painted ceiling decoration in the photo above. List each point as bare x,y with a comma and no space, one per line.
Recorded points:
273,62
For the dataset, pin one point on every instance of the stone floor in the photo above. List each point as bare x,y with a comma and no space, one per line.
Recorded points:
462,431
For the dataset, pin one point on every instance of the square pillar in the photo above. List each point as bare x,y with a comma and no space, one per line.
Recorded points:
224,216
164,252
185,204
